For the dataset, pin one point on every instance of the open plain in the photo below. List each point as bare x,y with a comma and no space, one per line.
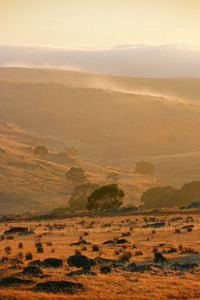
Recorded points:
122,268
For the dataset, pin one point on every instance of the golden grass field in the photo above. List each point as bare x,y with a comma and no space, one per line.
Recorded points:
119,284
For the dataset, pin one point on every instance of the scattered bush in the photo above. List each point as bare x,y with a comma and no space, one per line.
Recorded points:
29,256
20,246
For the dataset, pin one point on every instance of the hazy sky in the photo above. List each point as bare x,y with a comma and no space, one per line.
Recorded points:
98,23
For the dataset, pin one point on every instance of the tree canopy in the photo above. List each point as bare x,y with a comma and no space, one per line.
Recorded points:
40,151
78,199
76,175
106,197
169,196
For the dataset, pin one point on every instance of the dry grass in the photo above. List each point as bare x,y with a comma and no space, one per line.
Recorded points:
155,284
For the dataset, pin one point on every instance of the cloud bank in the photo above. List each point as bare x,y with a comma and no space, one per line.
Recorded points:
123,60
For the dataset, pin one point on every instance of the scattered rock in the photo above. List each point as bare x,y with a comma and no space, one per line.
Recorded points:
145,226
10,281
52,263
123,241
36,263
14,230
183,267
80,260
157,225
188,226
58,287
82,242
109,242
105,269
81,272
32,270
100,260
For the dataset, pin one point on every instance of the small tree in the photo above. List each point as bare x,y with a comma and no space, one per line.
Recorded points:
40,151
78,200
145,168
76,175
106,197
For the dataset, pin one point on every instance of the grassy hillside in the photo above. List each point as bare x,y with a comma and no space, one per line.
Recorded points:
111,129
102,124
173,88
29,183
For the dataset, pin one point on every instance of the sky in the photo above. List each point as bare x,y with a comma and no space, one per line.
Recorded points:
75,24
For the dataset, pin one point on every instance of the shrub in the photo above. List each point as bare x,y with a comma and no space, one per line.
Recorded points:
126,256
95,248
20,246
8,249
29,256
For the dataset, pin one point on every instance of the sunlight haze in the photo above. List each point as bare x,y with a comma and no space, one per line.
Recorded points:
78,23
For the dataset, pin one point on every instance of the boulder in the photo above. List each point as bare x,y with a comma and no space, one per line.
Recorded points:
188,226
36,263
105,269
10,281
52,263
14,230
123,241
80,261
32,270
109,242
157,225
58,287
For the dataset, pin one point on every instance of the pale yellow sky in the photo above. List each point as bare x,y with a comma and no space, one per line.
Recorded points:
98,23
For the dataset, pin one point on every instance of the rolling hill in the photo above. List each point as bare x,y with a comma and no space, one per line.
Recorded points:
113,122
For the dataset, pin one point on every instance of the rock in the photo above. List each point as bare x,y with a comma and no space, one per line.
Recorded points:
10,281
183,267
36,263
100,260
27,233
188,226
58,287
14,230
157,225
13,261
81,272
80,260
109,242
145,226
105,269
123,241
32,270
83,242
158,257
15,267
52,263
194,204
